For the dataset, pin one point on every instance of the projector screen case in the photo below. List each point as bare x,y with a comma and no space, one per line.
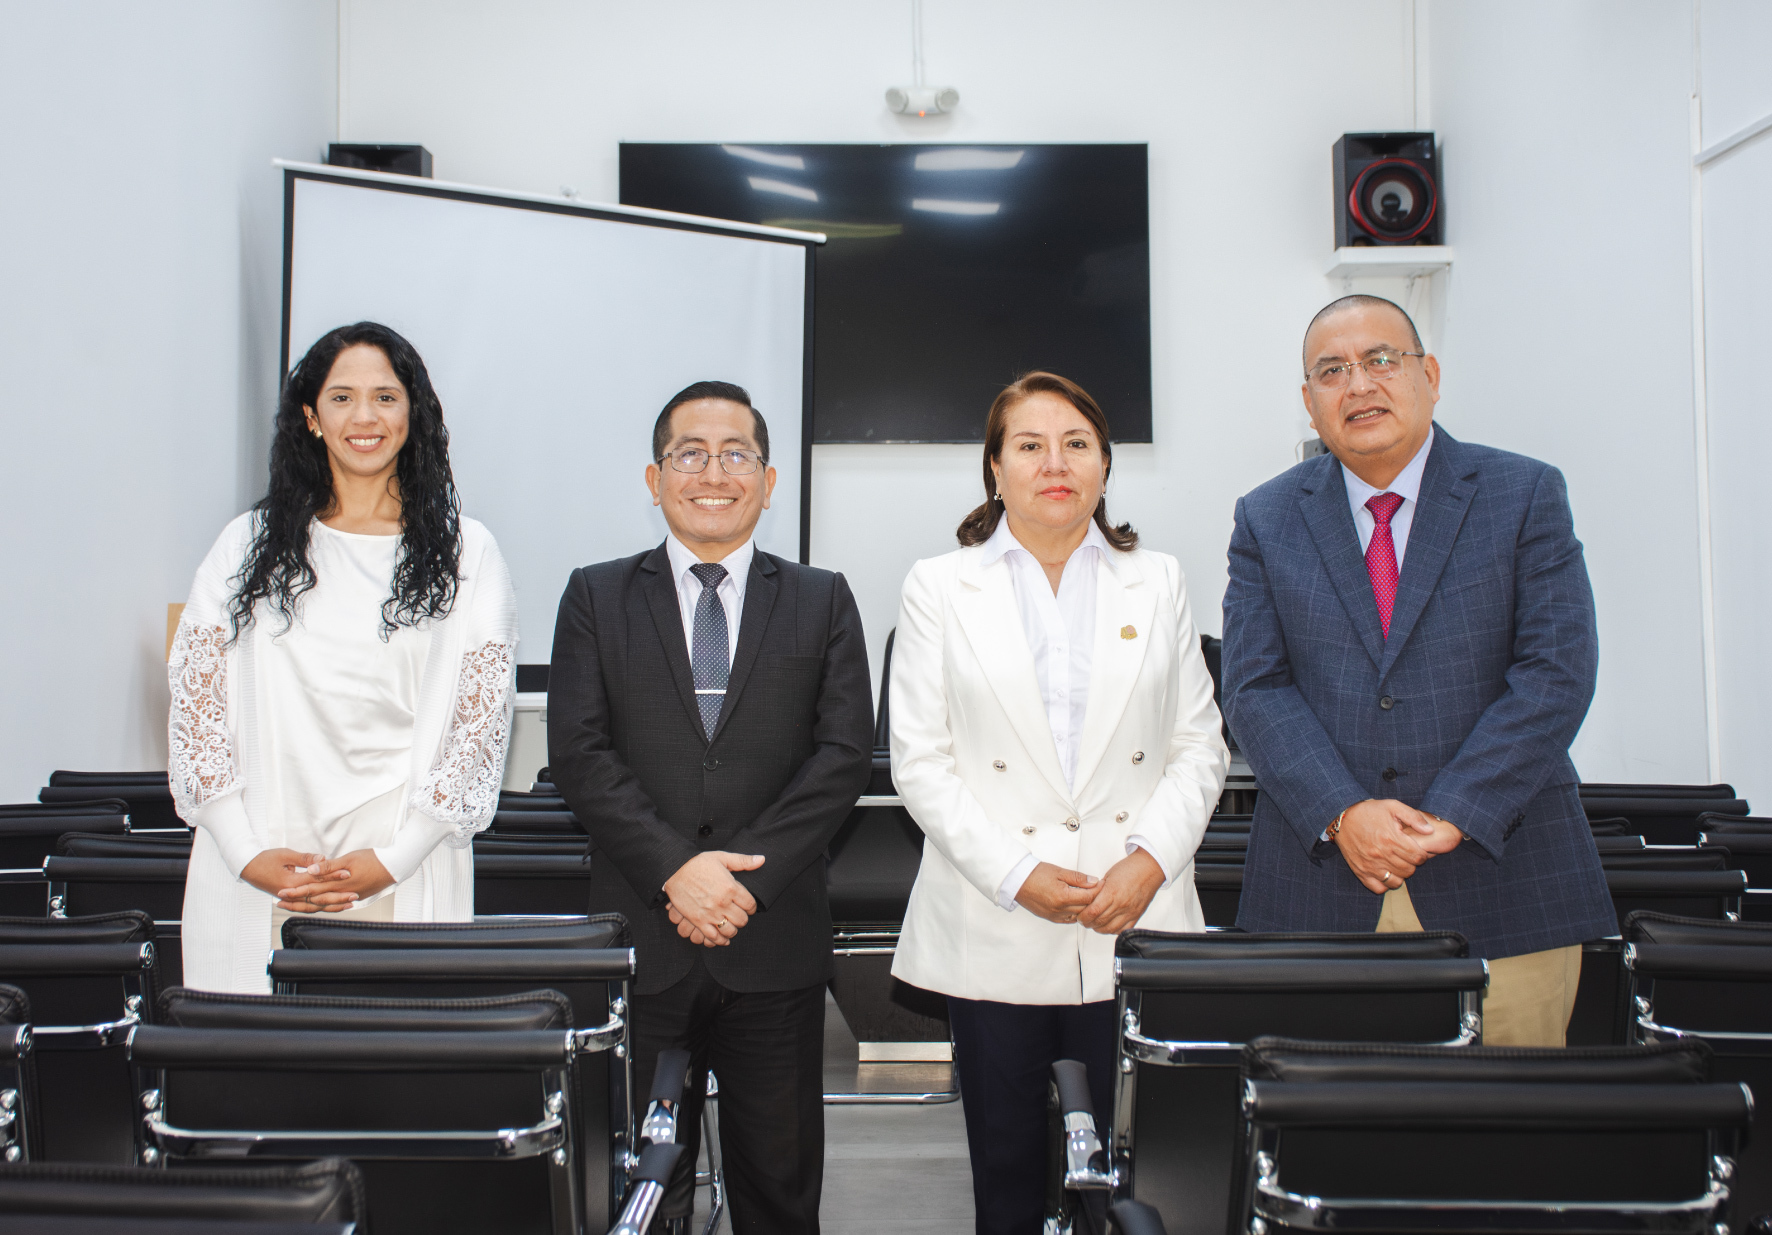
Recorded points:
554,330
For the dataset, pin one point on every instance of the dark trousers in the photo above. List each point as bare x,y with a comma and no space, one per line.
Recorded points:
1004,1053
767,1051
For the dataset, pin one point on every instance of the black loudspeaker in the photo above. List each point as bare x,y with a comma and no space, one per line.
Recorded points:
1387,189
402,160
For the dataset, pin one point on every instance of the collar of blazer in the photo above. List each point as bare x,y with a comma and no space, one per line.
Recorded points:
759,601
987,611
1447,487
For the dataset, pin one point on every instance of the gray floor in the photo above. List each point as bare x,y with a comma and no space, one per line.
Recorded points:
889,1170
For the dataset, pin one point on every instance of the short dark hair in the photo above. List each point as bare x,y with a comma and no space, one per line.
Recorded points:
661,428
1361,301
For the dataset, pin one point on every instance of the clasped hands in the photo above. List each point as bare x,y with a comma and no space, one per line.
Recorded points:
315,883
1107,904
707,905
1383,841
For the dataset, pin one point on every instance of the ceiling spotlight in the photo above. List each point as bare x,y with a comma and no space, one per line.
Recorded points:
922,100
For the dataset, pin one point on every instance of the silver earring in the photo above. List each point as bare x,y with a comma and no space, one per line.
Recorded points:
317,432
998,495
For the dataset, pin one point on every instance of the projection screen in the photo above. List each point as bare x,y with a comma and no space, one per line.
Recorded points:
554,331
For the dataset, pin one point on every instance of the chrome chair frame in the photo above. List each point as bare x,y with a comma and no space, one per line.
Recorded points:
161,1143
1271,1204
1116,1171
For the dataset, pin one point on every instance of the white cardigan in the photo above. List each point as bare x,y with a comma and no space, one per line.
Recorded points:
974,760
461,731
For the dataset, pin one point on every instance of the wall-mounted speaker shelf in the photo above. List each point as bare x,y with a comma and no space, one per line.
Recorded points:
1403,261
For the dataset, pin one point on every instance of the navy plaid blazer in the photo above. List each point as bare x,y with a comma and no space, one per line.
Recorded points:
1466,710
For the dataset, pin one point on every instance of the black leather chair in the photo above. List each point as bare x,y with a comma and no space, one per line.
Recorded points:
1663,814
1365,1137
529,882
325,1196
871,865
21,1137
1749,842
1714,894
89,981
148,794
30,834
588,960
1220,888
1188,1002
1693,979
123,845
460,1114
149,880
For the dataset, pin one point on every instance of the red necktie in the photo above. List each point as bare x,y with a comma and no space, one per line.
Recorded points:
1381,556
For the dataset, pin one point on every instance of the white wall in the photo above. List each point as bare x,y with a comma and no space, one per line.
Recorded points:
140,257
1735,36
537,96
139,328
1568,332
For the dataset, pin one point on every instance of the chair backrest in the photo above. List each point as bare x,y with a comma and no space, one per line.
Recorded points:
453,1128
1686,893
1219,886
88,981
1529,1132
121,844
1667,858
588,960
532,883
1750,849
25,840
87,886
1710,982
1618,843
529,1010
874,858
1609,827
1665,814
329,1191
1189,1001
147,793
529,821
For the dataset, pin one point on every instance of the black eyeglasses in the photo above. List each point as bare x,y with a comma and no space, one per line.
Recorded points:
732,462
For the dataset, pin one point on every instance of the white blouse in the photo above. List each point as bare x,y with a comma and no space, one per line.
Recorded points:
343,699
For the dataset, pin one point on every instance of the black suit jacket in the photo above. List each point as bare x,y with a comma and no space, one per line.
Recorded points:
790,753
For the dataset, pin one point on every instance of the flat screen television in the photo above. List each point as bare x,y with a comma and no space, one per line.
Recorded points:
949,270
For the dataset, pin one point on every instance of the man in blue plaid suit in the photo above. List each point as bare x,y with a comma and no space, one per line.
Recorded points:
1409,649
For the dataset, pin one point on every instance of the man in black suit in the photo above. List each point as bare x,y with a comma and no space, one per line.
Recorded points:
710,722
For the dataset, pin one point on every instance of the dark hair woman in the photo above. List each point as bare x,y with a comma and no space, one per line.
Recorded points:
343,673
1054,735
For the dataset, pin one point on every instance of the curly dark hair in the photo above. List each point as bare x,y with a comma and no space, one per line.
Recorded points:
428,572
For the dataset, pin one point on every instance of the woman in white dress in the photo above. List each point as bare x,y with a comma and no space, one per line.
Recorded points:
343,674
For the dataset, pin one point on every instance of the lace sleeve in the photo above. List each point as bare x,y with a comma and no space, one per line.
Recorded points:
200,748
462,789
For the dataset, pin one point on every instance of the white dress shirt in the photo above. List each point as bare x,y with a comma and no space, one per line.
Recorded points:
730,589
1407,486
1060,631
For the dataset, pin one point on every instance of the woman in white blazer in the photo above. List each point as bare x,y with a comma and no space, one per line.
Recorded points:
1054,735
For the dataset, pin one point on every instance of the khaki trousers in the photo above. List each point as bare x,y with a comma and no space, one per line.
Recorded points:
1530,997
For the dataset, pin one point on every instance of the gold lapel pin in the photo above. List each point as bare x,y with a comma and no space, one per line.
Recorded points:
1128,632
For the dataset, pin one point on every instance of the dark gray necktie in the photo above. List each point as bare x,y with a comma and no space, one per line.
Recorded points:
709,650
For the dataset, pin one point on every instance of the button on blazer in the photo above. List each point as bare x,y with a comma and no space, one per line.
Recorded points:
974,760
